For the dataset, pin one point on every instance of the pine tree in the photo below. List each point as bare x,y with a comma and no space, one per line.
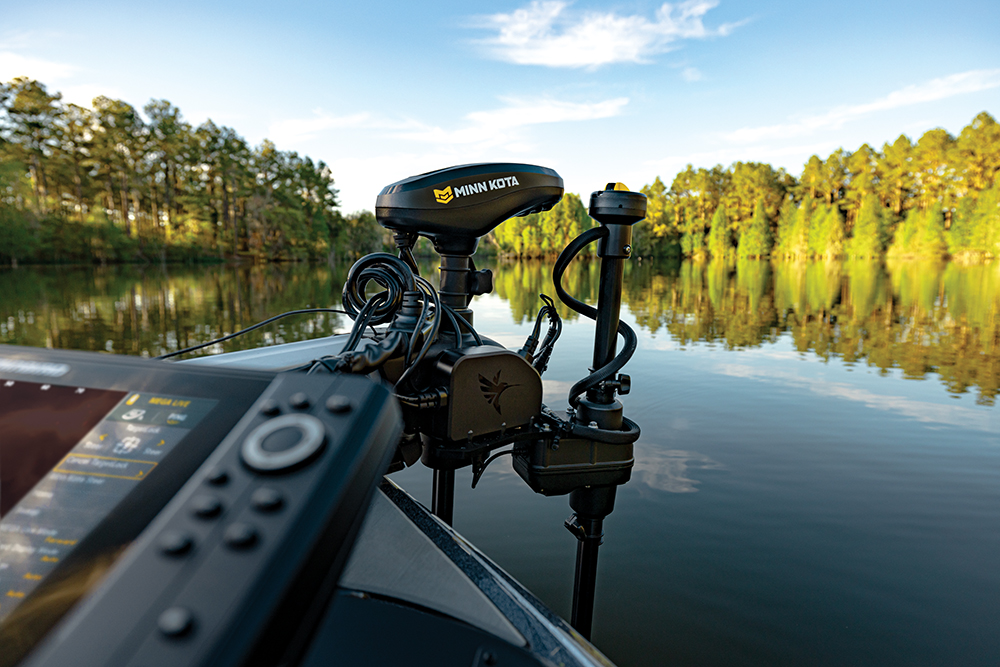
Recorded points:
985,232
756,241
866,241
786,226
817,231
931,241
833,233
906,240
720,236
798,245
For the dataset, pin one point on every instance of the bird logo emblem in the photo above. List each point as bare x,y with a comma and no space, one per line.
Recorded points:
494,389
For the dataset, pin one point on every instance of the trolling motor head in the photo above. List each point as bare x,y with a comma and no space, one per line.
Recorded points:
455,207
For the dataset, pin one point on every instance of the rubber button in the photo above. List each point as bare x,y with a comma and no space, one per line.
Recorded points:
175,543
282,440
217,477
266,499
299,401
240,536
339,405
270,408
175,622
206,507
283,443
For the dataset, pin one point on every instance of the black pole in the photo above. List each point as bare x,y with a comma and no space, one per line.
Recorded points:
585,585
591,505
617,210
609,304
443,496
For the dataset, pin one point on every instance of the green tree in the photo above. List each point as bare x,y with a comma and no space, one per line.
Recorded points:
868,230
756,241
720,236
784,234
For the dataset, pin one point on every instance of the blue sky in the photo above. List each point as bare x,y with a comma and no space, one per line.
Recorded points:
613,91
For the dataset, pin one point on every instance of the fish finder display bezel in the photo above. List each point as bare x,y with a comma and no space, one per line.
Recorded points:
233,392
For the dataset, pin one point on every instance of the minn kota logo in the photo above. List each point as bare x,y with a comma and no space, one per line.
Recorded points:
444,196
493,389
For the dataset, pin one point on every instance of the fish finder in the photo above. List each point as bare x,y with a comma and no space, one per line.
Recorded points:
239,493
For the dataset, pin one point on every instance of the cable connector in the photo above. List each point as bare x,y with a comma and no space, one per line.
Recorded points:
435,398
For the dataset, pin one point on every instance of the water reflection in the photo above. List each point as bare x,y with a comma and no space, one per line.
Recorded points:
150,310
921,317
669,469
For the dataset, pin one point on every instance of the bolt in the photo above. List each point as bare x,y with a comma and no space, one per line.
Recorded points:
627,249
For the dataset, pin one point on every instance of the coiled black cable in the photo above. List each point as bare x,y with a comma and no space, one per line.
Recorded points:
625,331
388,271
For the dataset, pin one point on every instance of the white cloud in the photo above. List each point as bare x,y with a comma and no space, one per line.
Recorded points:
544,33
691,74
499,127
14,65
922,411
672,164
669,469
929,91
295,129
489,128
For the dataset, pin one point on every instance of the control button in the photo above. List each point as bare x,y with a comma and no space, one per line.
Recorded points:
206,506
338,404
265,499
240,536
307,436
217,477
175,543
299,401
175,622
270,408
281,440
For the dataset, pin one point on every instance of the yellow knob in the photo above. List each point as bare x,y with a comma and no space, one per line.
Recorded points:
616,186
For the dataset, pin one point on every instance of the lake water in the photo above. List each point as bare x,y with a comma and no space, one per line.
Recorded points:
818,479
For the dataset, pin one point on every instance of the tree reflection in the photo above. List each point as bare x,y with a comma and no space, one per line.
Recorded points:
920,317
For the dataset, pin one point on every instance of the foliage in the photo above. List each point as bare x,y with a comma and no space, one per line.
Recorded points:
109,183
543,234
756,241
720,237
112,183
910,199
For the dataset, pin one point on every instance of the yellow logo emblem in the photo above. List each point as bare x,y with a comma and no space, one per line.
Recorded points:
132,399
444,196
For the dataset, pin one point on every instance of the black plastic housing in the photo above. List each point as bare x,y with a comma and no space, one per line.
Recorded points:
456,206
617,207
478,379
576,463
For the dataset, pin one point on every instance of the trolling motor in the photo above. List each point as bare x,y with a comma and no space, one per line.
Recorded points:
465,396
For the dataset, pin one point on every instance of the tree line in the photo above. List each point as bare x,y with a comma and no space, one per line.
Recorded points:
933,198
109,183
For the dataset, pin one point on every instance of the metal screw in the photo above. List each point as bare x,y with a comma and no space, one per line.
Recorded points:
627,249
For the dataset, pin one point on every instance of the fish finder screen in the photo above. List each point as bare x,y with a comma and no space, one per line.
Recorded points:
68,456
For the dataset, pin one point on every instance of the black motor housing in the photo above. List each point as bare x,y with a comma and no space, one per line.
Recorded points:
477,380
456,206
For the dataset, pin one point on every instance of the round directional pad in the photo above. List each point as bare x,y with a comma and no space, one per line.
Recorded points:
283,442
